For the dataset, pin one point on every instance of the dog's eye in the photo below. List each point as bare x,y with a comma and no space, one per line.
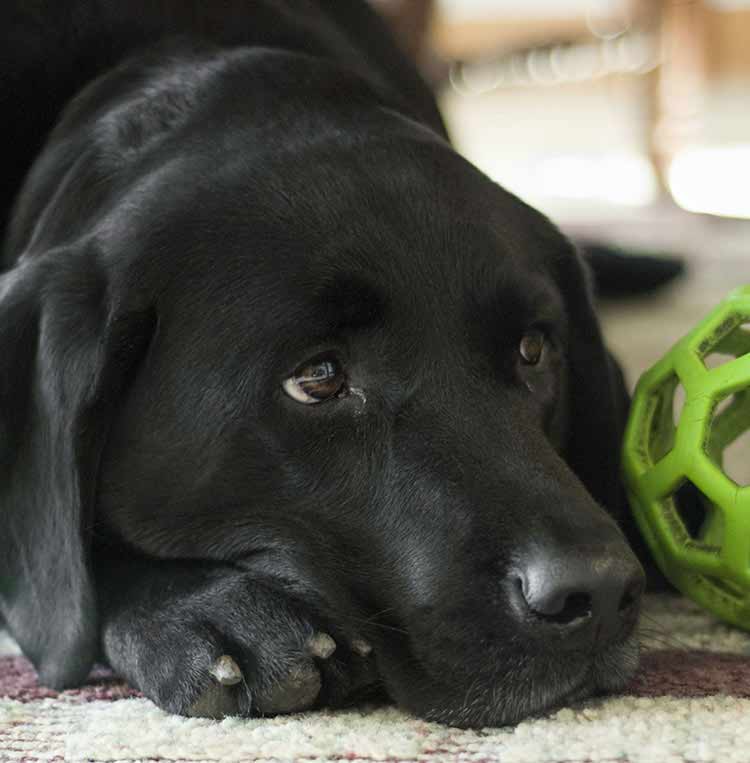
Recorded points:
315,381
531,347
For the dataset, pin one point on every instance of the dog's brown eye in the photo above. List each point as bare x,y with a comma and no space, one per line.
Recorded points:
316,381
532,347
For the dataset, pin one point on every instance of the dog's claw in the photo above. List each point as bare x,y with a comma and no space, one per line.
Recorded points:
298,691
217,700
321,645
361,647
226,671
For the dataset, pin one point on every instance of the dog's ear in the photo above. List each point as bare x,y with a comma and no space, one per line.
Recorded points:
598,397
599,404
67,349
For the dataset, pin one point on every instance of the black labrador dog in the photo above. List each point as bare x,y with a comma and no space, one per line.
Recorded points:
296,405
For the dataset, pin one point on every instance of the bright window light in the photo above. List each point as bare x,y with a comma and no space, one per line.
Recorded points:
617,178
712,180
509,8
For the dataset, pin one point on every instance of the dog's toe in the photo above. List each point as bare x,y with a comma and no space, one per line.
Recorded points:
321,645
297,691
222,696
226,671
216,702
361,647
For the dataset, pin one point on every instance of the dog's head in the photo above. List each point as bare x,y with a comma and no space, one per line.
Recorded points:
325,347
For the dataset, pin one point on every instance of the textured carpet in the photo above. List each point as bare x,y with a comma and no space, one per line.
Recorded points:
689,702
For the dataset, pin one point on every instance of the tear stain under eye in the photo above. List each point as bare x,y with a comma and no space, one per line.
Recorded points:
360,393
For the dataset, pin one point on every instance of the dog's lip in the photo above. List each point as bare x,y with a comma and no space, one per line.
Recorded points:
610,670
607,671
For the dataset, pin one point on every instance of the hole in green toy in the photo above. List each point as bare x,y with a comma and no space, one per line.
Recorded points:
701,522
728,443
693,519
678,402
727,344
722,405
737,459
691,505
716,359
661,426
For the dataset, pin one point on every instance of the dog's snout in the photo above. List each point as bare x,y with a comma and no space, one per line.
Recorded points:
589,596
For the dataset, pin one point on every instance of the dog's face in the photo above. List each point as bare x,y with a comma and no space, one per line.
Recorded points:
360,382
361,368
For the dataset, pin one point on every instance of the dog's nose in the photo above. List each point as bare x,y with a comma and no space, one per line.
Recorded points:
589,595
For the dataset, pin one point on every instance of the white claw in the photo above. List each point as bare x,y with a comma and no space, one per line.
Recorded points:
226,671
321,645
361,647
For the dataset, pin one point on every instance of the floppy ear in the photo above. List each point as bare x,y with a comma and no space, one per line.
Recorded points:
66,351
598,411
598,397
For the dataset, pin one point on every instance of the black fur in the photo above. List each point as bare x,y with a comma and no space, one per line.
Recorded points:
232,188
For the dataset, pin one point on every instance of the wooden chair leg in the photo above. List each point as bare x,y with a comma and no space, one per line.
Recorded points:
674,90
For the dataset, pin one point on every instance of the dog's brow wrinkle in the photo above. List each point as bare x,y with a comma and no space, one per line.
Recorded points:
350,302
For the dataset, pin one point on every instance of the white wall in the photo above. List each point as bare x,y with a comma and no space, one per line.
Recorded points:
524,8
556,8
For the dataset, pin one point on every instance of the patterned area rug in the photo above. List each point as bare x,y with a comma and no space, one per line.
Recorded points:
689,702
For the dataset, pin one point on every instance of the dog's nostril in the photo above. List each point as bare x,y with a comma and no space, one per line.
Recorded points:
575,606
631,596
558,607
591,597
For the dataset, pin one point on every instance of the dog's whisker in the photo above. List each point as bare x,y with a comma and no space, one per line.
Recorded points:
647,637
655,628
370,623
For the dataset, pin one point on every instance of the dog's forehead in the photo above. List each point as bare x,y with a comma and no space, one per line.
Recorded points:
347,234
397,209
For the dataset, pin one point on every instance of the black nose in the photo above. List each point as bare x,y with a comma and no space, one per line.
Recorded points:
588,595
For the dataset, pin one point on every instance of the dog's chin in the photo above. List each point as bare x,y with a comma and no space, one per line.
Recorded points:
534,688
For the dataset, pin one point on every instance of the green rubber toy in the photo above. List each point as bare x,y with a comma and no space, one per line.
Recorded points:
689,414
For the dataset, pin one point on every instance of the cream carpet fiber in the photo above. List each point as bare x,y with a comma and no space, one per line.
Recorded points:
690,702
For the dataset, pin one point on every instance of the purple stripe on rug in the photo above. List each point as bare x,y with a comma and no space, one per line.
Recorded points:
696,673
18,681
663,673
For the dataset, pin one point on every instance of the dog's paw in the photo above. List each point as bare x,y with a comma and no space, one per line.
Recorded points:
237,647
297,690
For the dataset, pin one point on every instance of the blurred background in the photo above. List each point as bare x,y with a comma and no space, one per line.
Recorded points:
626,121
